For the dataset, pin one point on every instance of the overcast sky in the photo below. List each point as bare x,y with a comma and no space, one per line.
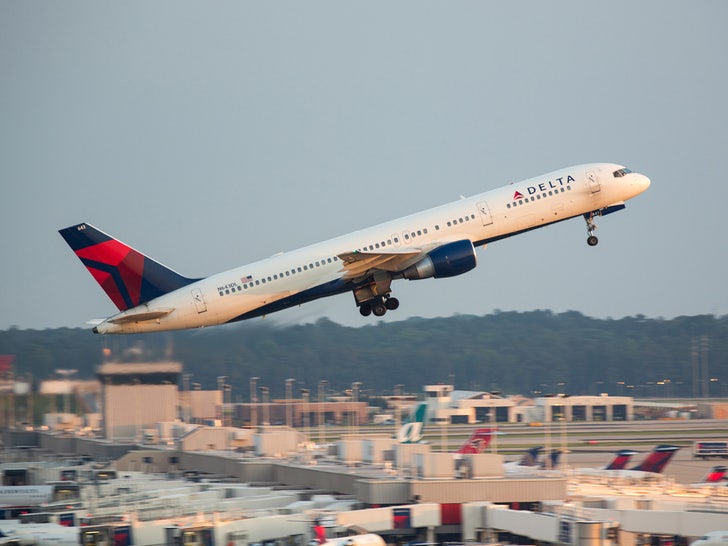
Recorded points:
210,135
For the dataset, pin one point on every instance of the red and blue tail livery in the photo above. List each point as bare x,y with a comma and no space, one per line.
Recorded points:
127,276
437,243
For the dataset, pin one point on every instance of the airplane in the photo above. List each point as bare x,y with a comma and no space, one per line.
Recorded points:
478,441
31,534
716,476
657,459
654,463
531,462
22,496
437,243
714,538
411,430
621,459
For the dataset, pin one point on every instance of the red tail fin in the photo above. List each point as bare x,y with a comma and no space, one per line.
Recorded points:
621,459
658,458
127,276
478,442
716,474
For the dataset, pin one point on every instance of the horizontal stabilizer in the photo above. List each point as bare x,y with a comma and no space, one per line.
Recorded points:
141,316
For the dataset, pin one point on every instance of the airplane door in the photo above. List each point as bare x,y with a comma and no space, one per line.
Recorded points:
200,304
594,186
485,213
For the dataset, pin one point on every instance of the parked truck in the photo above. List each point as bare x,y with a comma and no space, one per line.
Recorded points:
711,448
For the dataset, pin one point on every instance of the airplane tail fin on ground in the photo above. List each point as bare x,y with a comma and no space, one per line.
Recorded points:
411,430
478,442
621,459
716,474
658,458
530,457
554,457
127,276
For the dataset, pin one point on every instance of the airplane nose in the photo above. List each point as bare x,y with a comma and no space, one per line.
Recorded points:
641,182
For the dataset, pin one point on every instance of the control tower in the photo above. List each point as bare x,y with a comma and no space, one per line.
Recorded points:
135,396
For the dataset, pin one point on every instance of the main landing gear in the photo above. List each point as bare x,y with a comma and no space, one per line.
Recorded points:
590,227
378,306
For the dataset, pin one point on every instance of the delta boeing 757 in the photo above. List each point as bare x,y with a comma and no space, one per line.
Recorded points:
438,243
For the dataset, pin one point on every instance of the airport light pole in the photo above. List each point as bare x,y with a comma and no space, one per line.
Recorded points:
266,406
253,402
322,410
304,395
355,386
226,401
289,396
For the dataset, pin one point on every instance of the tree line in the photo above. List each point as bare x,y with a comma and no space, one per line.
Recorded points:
531,353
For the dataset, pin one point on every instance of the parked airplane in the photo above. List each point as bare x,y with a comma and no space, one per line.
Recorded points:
621,459
657,459
411,430
437,243
714,538
654,463
716,476
30,534
21,496
478,441
531,461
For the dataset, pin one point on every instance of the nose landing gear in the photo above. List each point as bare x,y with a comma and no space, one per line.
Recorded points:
590,228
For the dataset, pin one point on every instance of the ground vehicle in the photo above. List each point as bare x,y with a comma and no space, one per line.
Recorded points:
711,448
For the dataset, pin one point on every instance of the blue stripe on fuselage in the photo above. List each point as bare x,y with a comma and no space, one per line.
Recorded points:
339,286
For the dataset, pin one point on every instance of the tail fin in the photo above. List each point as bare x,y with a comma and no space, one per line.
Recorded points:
411,430
716,474
554,458
658,458
478,442
621,459
530,457
127,276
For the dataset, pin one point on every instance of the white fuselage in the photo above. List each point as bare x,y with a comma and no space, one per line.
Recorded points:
315,271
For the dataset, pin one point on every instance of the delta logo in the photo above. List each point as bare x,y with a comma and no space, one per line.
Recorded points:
517,195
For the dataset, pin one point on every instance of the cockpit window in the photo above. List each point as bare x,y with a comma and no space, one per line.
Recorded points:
621,172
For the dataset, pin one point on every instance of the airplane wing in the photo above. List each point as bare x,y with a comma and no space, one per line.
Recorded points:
358,264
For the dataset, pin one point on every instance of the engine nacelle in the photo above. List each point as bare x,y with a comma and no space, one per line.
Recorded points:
446,261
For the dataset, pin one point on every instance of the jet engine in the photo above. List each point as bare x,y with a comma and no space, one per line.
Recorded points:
445,261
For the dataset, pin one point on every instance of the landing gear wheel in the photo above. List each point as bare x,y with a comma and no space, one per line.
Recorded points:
365,309
391,303
590,228
379,309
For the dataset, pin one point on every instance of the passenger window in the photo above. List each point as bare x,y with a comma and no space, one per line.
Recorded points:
419,232
275,277
305,268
